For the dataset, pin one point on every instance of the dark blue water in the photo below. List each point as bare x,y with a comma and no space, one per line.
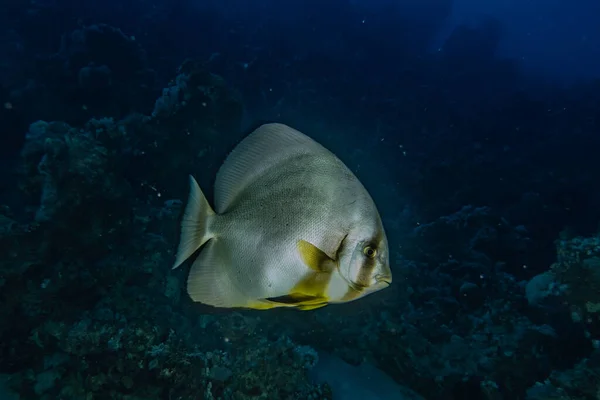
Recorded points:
474,125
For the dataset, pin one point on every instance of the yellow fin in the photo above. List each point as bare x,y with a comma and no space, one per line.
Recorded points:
194,224
313,285
300,301
296,298
311,306
314,257
261,305
308,294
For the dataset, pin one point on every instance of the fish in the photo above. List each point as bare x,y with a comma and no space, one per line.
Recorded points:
292,227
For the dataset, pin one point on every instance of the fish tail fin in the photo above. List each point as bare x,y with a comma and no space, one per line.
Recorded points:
195,224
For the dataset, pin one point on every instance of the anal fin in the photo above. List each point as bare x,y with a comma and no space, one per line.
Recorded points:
308,307
295,299
210,281
299,301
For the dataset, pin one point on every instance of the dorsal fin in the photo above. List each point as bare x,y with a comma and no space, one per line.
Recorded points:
264,148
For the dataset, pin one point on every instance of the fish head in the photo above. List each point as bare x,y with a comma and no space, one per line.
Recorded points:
364,260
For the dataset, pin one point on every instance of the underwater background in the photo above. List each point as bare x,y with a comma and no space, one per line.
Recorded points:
475,126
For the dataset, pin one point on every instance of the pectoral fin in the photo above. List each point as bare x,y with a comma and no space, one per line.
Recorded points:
315,258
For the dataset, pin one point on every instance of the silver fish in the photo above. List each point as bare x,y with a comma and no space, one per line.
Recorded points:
293,227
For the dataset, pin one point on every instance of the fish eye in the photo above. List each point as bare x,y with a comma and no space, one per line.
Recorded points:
370,252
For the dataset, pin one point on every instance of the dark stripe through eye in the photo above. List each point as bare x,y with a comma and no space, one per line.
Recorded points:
366,271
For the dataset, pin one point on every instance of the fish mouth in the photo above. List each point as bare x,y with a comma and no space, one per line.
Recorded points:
383,279
357,286
377,285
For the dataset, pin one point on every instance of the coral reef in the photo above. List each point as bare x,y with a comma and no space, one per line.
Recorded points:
85,239
475,182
